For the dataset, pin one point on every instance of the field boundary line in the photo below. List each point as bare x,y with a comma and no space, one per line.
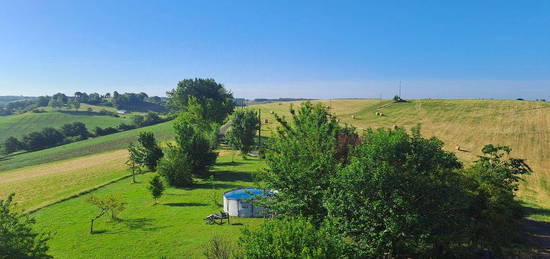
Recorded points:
76,195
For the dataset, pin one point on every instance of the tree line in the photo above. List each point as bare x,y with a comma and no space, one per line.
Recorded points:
72,132
129,101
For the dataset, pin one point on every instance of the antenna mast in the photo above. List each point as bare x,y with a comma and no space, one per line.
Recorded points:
399,88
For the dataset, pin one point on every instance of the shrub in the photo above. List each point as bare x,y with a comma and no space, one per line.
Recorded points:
106,131
219,247
156,187
75,129
175,167
124,127
17,237
12,145
290,238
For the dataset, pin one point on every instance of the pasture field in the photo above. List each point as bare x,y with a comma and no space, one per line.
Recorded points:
37,186
162,131
468,124
174,228
25,123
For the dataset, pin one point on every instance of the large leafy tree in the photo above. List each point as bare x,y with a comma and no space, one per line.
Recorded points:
17,237
495,212
216,102
244,124
399,194
302,159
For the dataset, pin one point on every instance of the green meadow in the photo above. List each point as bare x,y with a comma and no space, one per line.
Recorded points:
25,123
174,228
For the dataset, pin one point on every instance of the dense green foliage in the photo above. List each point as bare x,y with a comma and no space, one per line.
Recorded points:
175,167
195,143
156,187
146,152
290,238
302,161
216,102
17,237
389,192
244,125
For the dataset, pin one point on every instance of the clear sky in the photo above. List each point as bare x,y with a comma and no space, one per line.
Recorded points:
315,49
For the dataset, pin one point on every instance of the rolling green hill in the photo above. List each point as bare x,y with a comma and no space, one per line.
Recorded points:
21,124
115,141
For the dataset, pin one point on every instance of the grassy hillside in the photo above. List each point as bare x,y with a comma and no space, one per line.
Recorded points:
115,141
21,124
173,229
470,124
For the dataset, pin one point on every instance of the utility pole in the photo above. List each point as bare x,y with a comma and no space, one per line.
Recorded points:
260,128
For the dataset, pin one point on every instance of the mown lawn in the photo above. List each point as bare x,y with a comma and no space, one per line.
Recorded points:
162,131
174,228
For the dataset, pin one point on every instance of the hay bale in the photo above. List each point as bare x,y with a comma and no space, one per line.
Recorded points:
458,148
353,117
272,112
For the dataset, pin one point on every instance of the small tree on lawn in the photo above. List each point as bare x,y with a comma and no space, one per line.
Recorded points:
135,160
17,237
156,187
244,124
106,205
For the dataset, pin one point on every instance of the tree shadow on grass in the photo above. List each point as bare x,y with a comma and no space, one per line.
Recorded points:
185,204
208,186
232,176
235,163
135,224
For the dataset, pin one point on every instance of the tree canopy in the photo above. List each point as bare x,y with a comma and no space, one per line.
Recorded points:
216,102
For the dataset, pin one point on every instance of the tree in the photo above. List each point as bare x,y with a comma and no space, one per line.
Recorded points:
75,129
135,160
195,143
12,145
34,141
76,104
302,160
244,124
495,212
138,120
216,101
156,187
399,194
290,238
52,137
175,167
108,204
147,151
17,237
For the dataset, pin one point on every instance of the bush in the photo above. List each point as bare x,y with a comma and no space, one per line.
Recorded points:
75,129
17,237
106,131
124,127
219,247
175,167
138,120
290,238
12,145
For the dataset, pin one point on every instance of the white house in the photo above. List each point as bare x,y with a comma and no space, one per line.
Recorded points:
240,202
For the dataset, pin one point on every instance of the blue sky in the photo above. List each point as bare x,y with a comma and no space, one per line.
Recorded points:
315,49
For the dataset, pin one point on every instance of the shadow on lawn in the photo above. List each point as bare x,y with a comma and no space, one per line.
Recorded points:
232,176
536,211
139,224
185,204
235,163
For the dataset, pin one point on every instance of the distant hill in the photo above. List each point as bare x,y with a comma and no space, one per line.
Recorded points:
7,99
21,124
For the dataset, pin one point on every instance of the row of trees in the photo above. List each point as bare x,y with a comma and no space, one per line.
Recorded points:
47,137
383,193
128,101
72,132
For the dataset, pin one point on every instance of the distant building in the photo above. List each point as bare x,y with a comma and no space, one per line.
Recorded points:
122,111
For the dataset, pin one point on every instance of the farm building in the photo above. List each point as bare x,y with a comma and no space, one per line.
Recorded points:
240,202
